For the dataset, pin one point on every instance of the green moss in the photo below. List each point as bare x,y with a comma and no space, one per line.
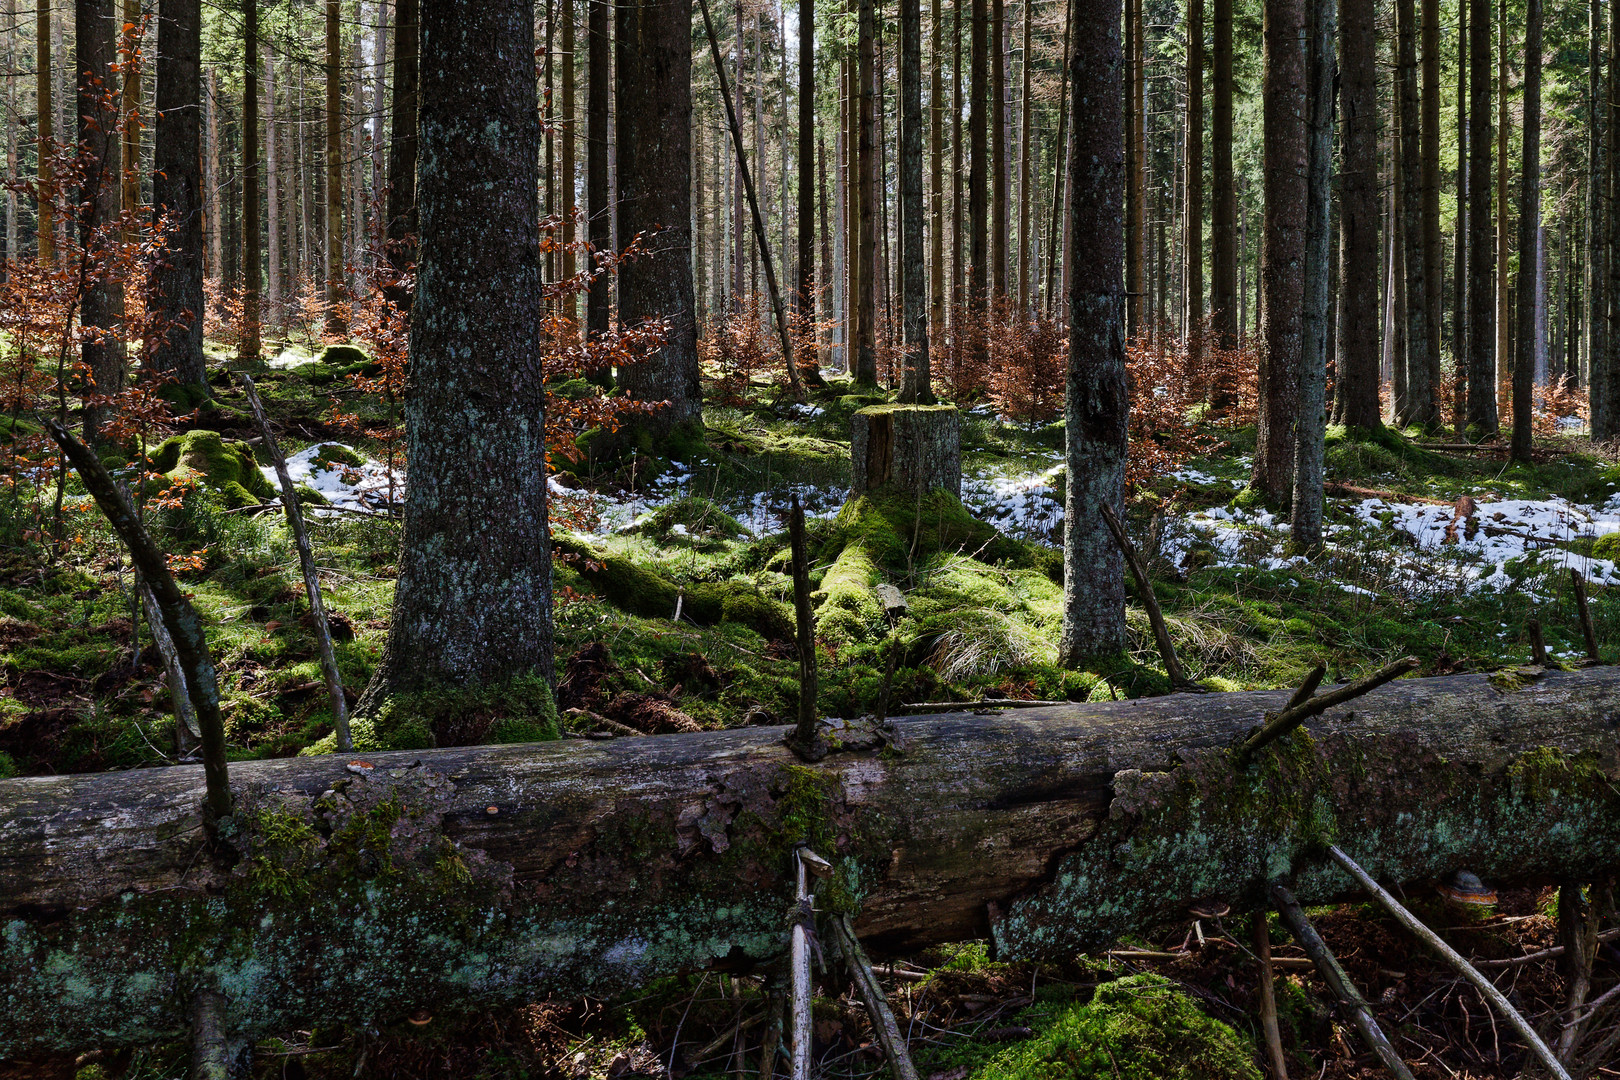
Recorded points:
8,767
331,454
1138,1028
343,355
699,520
308,496
520,710
216,463
850,609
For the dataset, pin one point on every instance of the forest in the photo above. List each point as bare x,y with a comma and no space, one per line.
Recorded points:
962,539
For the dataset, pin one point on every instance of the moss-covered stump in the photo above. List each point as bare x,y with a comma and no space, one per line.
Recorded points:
358,890
222,465
913,449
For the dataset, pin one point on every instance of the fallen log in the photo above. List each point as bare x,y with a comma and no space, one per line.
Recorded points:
361,891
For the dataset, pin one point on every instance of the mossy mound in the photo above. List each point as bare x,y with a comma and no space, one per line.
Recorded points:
634,588
518,711
693,520
1139,1028
342,355
221,465
330,454
898,530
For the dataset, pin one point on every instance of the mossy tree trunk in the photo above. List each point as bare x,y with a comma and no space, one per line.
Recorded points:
503,873
473,601
653,139
1096,402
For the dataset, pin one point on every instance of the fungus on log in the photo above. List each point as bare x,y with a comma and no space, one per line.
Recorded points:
913,449
344,891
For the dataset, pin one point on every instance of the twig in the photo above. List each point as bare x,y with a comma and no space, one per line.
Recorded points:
1360,1013
877,1003
1542,954
800,961
312,580
1268,996
1161,633
1279,724
1307,689
186,732
1587,629
1451,956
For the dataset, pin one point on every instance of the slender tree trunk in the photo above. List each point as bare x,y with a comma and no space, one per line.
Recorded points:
131,105
599,301
177,193
936,148
1135,178
1595,267
1223,212
98,199
1605,364
251,269
805,294
958,247
1524,363
1459,302
1504,337
45,129
978,216
1306,519
1481,349
1060,159
213,220
1282,269
272,291
1433,253
566,125
1096,403
474,416
653,77
377,236
1194,198
335,321
1419,403
11,143
401,208
917,385
866,234
1025,201
1357,386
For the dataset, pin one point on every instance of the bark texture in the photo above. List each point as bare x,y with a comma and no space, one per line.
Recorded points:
1357,389
473,601
252,271
177,192
917,385
1481,348
99,197
402,144
1306,522
599,302
1524,362
910,448
653,139
1418,404
505,873
1096,403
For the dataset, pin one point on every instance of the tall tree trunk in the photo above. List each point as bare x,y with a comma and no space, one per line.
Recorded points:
473,420
1419,404
805,295
335,322
1306,519
1193,253
865,278
936,148
566,126
1025,199
1606,227
1433,254
1357,386
998,149
213,219
45,130
653,88
131,105
1135,176
958,248
1096,403
1528,325
99,194
599,301
177,194
401,209
1459,255
917,385
1481,348
1060,160
1282,282
272,202
978,214
1504,338
1223,211
251,270
1595,268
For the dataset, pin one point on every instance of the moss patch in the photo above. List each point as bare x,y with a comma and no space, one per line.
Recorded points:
521,710
221,465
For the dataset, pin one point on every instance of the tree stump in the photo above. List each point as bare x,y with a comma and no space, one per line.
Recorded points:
909,448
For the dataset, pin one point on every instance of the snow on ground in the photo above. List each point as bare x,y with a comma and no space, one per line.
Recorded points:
1029,506
761,513
350,487
290,358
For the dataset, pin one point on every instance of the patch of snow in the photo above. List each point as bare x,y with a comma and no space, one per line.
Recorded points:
350,487
290,358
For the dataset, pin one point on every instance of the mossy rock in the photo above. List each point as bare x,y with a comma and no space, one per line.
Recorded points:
343,355
634,588
1607,546
693,519
330,454
521,710
221,465
308,496
897,529
1138,1028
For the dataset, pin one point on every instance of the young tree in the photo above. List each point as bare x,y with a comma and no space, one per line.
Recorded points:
1524,363
99,197
177,193
1356,389
653,88
1481,349
1282,281
1096,403
401,205
473,602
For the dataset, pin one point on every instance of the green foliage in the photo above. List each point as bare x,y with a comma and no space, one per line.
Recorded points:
520,710
1139,1028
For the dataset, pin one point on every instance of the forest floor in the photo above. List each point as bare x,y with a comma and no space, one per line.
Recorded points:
1437,553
